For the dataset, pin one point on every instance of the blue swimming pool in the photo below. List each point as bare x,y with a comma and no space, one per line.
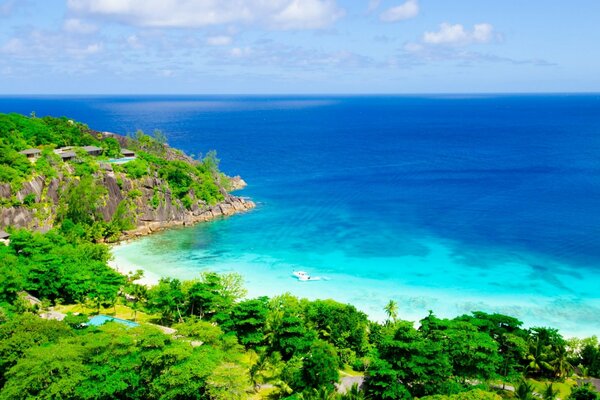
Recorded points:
120,160
99,320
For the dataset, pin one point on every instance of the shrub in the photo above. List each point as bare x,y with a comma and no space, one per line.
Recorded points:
136,169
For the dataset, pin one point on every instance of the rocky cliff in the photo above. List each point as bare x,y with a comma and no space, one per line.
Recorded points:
35,204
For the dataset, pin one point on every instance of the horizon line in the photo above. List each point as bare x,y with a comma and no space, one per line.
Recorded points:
353,94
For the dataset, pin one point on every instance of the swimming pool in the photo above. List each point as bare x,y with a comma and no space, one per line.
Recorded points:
121,160
100,319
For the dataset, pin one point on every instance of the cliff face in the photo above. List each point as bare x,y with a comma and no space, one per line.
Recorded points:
35,205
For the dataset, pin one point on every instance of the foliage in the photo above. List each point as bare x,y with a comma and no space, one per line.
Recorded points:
137,168
228,382
584,392
83,182
81,201
320,366
48,266
111,147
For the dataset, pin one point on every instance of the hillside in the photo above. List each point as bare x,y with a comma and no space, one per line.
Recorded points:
129,185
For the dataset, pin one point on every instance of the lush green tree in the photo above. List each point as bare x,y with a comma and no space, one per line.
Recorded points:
584,392
473,354
168,299
590,359
340,324
187,379
24,332
203,331
228,382
249,319
383,382
421,364
547,354
12,278
320,366
111,147
46,373
81,201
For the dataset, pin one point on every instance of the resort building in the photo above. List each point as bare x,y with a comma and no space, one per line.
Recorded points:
127,153
65,153
92,150
32,154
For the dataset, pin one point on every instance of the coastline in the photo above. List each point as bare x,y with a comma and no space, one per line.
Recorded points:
266,275
231,206
228,207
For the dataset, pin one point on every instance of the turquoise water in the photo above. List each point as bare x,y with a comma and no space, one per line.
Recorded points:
120,160
100,319
427,274
449,203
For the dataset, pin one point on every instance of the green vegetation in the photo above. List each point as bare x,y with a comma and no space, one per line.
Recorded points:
226,346
83,194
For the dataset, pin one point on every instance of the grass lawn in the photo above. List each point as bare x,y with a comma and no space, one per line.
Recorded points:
119,311
564,388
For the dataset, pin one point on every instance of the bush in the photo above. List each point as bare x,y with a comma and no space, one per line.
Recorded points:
187,202
136,169
134,194
29,200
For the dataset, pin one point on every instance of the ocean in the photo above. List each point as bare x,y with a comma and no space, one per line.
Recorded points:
444,203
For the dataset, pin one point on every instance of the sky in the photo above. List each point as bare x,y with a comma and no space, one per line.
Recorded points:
298,46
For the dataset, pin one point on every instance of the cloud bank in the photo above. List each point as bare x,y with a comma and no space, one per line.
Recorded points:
457,35
407,10
272,14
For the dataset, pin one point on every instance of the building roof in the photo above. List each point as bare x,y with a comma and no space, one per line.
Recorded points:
127,151
4,235
63,149
91,148
30,151
67,154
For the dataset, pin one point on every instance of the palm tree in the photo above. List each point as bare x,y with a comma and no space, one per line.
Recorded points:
354,393
561,364
391,309
549,393
524,391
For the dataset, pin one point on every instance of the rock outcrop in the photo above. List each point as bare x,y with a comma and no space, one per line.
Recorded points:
150,197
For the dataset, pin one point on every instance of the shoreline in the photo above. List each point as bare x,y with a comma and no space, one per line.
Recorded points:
230,206
265,276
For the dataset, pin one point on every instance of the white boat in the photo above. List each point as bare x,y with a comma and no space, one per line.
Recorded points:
304,276
301,275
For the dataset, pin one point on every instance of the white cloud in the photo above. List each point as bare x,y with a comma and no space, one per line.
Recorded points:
86,50
407,10
273,14
74,25
240,52
457,35
218,40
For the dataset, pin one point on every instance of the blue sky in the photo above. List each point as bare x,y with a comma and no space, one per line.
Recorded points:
298,46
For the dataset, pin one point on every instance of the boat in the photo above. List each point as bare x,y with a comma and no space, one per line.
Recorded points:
301,275
304,276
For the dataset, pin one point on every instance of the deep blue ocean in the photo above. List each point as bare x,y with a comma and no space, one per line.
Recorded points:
450,203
